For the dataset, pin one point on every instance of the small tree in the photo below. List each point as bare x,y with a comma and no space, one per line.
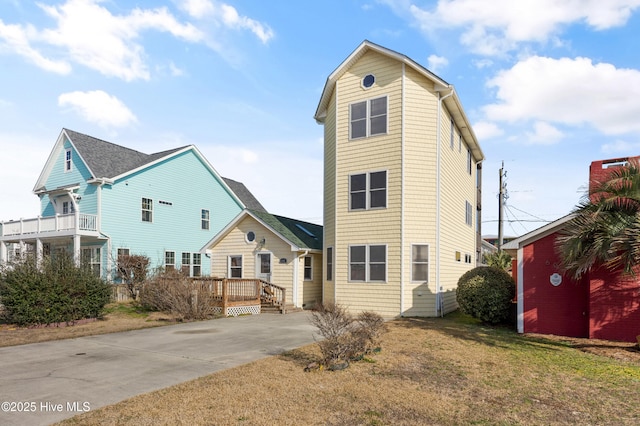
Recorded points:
486,293
133,269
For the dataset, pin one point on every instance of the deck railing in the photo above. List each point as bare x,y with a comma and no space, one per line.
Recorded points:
229,292
61,222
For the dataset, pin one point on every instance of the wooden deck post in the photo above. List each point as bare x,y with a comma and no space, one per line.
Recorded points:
225,297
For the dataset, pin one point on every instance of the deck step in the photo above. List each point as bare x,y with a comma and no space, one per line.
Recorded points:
271,309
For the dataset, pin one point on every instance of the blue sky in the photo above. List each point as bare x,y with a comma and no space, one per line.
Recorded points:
548,85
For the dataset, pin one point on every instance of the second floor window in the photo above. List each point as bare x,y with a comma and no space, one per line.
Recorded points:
368,191
368,118
468,213
205,219
147,210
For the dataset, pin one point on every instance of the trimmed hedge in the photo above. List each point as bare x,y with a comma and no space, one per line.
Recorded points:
55,292
486,293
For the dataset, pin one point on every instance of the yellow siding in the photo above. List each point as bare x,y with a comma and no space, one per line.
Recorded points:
234,243
310,292
364,155
409,154
329,240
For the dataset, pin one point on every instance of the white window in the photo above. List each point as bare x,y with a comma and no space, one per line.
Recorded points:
205,219
235,266
329,263
468,215
197,265
469,161
368,191
147,210
169,260
368,263
420,262
186,263
67,160
122,252
67,207
368,118
308,268
453,132
91,259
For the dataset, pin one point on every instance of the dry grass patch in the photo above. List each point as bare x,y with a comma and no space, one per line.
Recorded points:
430,371
118,317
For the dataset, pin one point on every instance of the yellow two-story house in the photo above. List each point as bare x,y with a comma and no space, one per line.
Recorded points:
402,174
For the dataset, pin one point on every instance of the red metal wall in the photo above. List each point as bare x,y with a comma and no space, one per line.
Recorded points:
614,306
549,309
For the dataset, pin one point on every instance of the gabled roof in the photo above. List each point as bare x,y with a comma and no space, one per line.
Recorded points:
298,234
539,233
452,102
245,195
106,160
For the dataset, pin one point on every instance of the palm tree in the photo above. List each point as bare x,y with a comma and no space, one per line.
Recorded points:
605,227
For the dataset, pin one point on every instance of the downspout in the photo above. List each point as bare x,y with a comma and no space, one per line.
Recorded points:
402,230
296,277
439,301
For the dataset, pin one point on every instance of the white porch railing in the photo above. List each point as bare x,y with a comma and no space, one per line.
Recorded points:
63,222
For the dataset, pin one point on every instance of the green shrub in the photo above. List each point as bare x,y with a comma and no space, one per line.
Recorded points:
486,293
55,291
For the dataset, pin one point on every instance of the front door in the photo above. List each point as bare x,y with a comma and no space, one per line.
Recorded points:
263,264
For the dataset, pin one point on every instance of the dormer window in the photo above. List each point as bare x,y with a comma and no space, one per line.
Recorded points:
67,160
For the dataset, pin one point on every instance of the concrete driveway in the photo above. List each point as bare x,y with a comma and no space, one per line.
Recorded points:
46,382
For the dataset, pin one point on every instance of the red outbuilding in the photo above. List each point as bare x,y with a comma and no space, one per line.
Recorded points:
602,305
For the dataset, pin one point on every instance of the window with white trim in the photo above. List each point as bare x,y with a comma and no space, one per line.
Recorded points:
453,132
185,266
308,268
197,265
329,263
420,262
147,210
468,214
368,263
67,160
469,163
91,258
204,216
235,266
368,118
368,191
67,207
122,253
169,260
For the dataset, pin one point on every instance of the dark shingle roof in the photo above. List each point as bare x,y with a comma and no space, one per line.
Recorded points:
247,198
305,235
108,160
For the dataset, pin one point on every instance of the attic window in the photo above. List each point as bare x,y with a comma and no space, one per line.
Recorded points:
250,237
368,81
67,160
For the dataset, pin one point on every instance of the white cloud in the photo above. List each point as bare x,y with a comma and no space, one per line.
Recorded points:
487,130
15,38
92,36
436,63
544,134
98,107
228,16
568,91
497,26
621,147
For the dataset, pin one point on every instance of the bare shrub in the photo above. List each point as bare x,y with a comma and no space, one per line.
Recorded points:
345,337
133,269
175,293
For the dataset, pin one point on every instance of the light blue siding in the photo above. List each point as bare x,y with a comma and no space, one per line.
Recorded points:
180,188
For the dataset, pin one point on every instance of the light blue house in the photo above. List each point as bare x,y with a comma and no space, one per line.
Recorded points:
100,200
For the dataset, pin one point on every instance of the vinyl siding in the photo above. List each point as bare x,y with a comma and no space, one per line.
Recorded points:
186,186
375,153
310,292
234,243
330,156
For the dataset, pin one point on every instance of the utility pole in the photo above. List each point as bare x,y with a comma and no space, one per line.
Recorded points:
501,198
